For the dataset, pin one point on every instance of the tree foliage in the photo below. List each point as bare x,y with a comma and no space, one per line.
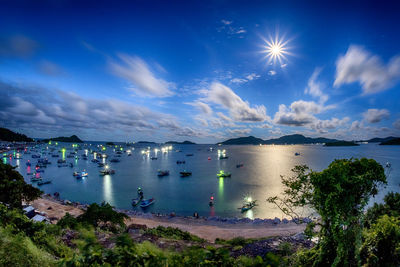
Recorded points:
339,195
13,189
381,246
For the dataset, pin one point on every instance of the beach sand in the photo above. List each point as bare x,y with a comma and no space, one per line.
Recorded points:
200,227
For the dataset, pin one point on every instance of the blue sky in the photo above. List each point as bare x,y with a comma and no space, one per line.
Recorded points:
199,70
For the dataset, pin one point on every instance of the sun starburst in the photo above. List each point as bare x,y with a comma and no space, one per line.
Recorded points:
276,50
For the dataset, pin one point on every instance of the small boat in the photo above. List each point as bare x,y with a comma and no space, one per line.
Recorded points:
100,164
162,173
153,158
248,205
28,164
107,172
185,173
43,182
388,165
114,160
223,157
95,160
180,162
61,161
75,174
223,174
240,165
71,165
136,201
189,155
297,154
35,156
82,175
147,202
55,156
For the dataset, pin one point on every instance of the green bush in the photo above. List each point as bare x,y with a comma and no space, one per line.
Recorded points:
173,233
19,250
381,246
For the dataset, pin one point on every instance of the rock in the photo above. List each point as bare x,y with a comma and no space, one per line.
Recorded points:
285,220
277,220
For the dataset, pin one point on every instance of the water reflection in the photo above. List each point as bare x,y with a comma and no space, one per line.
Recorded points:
107,189
249,214
221,188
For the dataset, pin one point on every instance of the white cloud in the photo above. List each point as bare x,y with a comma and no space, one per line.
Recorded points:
283,65
300,113
239,131
50,68
359,65
144,81
314,87
239,110
396,124
226,22
376,115
203,107
271,73
239,80
252,76
323,125
18,46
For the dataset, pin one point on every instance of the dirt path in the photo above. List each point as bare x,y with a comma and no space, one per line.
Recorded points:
196,227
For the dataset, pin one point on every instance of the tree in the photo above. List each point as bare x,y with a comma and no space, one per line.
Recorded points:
339,195
13,189
102,213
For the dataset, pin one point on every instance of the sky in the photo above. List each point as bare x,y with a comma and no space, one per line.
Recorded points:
203,71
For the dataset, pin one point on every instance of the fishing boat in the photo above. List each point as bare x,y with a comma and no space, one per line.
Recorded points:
139,198
248,205
240,165
43,182
180,162
147,202
61,161
28,163
82,175
162,173
100,164
388,165
223,174
297,154
223,157
185,173
189,155
114,160
153,158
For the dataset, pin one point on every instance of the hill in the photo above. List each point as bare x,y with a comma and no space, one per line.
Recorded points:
146,142
287,139
395,141
380,140
71,139
341,143
180,143
250,140
10,136
298,139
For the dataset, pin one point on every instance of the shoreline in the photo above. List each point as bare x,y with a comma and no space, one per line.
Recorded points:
208,228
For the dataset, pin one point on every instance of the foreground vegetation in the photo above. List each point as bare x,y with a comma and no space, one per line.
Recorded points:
347,236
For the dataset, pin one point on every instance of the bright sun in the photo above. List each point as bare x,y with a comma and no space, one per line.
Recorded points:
275,50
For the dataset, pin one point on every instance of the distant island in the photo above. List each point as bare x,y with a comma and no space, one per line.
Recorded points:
180,143
71,139
379,140
391,142
110,144
341,143
10,136
293,139
146,142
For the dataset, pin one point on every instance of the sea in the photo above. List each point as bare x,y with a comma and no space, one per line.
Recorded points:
257,177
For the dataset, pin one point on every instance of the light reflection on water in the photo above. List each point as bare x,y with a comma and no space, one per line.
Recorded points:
258,178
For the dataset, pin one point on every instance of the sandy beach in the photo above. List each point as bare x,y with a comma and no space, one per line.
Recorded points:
207,229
